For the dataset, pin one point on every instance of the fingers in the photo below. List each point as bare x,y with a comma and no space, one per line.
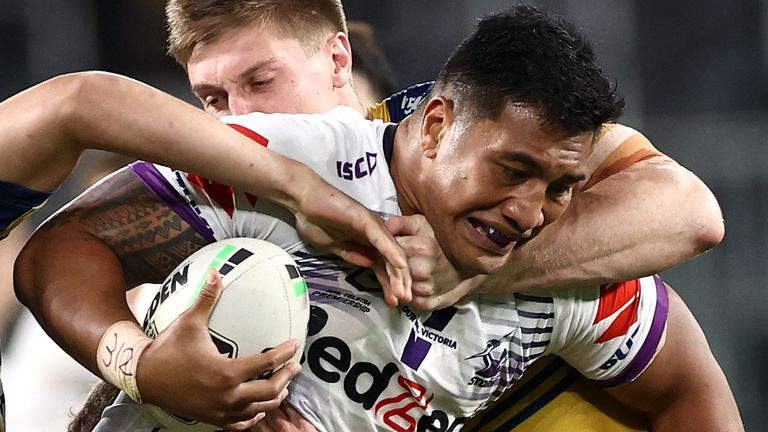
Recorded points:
208,297
284,419
379,268
256,412
396,260
268,394
354,253
407,225
385,243
277,421
257,365
400,282
293,415
267,390
252,425
264,395
423,253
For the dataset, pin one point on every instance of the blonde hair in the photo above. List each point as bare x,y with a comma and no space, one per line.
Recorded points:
194,22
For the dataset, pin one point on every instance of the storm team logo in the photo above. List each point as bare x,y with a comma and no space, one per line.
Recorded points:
494,356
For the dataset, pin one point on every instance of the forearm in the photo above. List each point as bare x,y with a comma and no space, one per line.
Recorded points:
73,307
696,414
643,220
51,124
74,271
157,127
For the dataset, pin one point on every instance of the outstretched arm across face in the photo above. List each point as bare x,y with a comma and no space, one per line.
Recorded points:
640,213
684,387
48,126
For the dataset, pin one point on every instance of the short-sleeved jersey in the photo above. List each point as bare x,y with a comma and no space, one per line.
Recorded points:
371,367
16,204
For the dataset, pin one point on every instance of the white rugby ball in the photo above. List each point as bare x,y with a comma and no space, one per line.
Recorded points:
264,303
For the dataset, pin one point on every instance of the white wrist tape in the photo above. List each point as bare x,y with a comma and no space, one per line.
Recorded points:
118,356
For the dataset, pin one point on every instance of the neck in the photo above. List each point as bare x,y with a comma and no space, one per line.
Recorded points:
348,97
405,168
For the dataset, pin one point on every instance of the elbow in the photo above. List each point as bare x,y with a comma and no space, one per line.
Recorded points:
710,234
70,91
706,218
699,219
73,96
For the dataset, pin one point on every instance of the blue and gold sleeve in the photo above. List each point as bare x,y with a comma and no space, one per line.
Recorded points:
16,204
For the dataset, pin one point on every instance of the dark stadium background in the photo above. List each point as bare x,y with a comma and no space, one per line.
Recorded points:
694,73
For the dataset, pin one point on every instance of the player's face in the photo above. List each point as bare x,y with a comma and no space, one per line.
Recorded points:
492,184
250,69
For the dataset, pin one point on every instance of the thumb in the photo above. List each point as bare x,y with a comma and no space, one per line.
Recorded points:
209,295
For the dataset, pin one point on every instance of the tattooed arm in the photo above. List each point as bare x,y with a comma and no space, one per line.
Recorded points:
73,274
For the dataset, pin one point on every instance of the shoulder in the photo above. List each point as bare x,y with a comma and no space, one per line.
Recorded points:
616,148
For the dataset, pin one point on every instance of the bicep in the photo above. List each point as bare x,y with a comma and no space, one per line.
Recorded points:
684,386
122,214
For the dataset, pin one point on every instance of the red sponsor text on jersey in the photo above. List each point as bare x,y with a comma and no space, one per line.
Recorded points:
415,395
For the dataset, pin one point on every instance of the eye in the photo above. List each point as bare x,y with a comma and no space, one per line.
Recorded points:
515,175
214,102
562,191
260,84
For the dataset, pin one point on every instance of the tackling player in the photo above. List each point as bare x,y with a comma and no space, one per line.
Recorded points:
236,47
243,57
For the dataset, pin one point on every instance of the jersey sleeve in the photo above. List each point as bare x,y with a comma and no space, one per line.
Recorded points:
217,211
16,204
341,146
401,104
611,334
617,148
334,144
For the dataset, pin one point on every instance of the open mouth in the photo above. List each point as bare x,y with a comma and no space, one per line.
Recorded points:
499,238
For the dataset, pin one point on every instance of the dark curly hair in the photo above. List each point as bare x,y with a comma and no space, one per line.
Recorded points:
525,56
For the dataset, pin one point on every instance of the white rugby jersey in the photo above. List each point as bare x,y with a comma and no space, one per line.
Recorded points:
367,366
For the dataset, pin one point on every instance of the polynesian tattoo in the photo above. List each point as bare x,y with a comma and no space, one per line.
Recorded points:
148,238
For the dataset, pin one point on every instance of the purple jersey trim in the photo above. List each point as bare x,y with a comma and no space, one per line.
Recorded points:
160,186
650,347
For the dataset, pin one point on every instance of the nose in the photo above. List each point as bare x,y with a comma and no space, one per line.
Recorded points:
524,213
240,104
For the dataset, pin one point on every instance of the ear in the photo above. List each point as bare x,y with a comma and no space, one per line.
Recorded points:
436,122
341,54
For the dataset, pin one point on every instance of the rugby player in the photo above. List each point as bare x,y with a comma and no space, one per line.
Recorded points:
586,246
246,56
44,134
262,75
459,255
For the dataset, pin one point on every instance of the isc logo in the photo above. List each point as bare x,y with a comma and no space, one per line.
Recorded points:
357,169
